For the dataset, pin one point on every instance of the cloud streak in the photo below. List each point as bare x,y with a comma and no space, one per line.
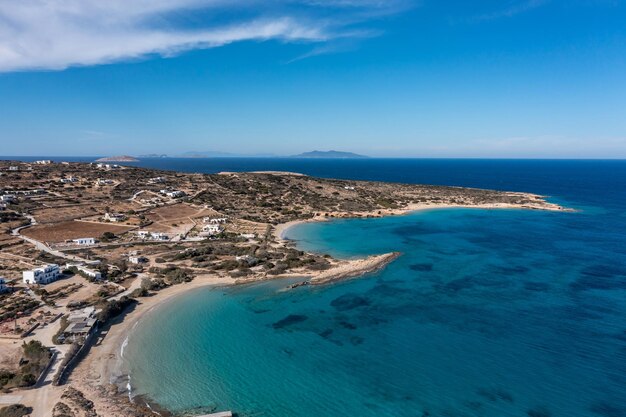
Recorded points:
57,34
511,10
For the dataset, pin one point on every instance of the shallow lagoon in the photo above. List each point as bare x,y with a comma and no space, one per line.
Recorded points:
487,313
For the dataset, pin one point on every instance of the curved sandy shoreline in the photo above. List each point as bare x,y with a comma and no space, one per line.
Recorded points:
103,364
96,374
280,230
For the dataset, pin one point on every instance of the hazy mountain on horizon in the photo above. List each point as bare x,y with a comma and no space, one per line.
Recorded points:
329,154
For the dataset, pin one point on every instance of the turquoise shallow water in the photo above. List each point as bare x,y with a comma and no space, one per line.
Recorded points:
487,313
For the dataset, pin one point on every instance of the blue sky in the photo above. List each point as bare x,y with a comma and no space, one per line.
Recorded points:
430,78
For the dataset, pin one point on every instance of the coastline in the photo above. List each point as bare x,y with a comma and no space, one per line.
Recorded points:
280,230
354,268
99,373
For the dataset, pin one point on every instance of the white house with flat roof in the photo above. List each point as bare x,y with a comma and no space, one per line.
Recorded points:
43,162
42,275
84,241
137,260
114,217
91,273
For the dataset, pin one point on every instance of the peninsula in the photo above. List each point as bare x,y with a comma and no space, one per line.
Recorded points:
87,249
121,158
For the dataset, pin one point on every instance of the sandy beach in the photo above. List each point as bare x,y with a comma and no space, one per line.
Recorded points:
280,230
98,373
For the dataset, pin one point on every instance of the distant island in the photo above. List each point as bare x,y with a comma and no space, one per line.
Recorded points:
121,158
329,154
153,155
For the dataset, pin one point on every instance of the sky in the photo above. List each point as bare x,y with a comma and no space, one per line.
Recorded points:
395,78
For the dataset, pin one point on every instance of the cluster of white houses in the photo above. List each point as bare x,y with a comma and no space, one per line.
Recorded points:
101,181
147,235
49,273
215,220
212,229
173,193
69,180
9,197
107,167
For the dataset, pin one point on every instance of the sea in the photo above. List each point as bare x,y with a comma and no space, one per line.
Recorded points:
488,313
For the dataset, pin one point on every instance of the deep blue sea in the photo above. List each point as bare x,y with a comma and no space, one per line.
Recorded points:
489,313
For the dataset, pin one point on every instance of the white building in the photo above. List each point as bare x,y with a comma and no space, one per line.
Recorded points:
349,187
144,234
42,275
159,236
137,260
156,180
69,180
14,168
91,273
3,285
215,220
114,217
8,198
250,260
3,206
43,162
248,235
86,241
100,181
212,229
173,193
107,166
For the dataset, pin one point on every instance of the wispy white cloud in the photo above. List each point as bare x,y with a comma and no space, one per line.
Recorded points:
511,9
56,34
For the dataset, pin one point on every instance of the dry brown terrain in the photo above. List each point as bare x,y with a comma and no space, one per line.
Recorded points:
59,232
